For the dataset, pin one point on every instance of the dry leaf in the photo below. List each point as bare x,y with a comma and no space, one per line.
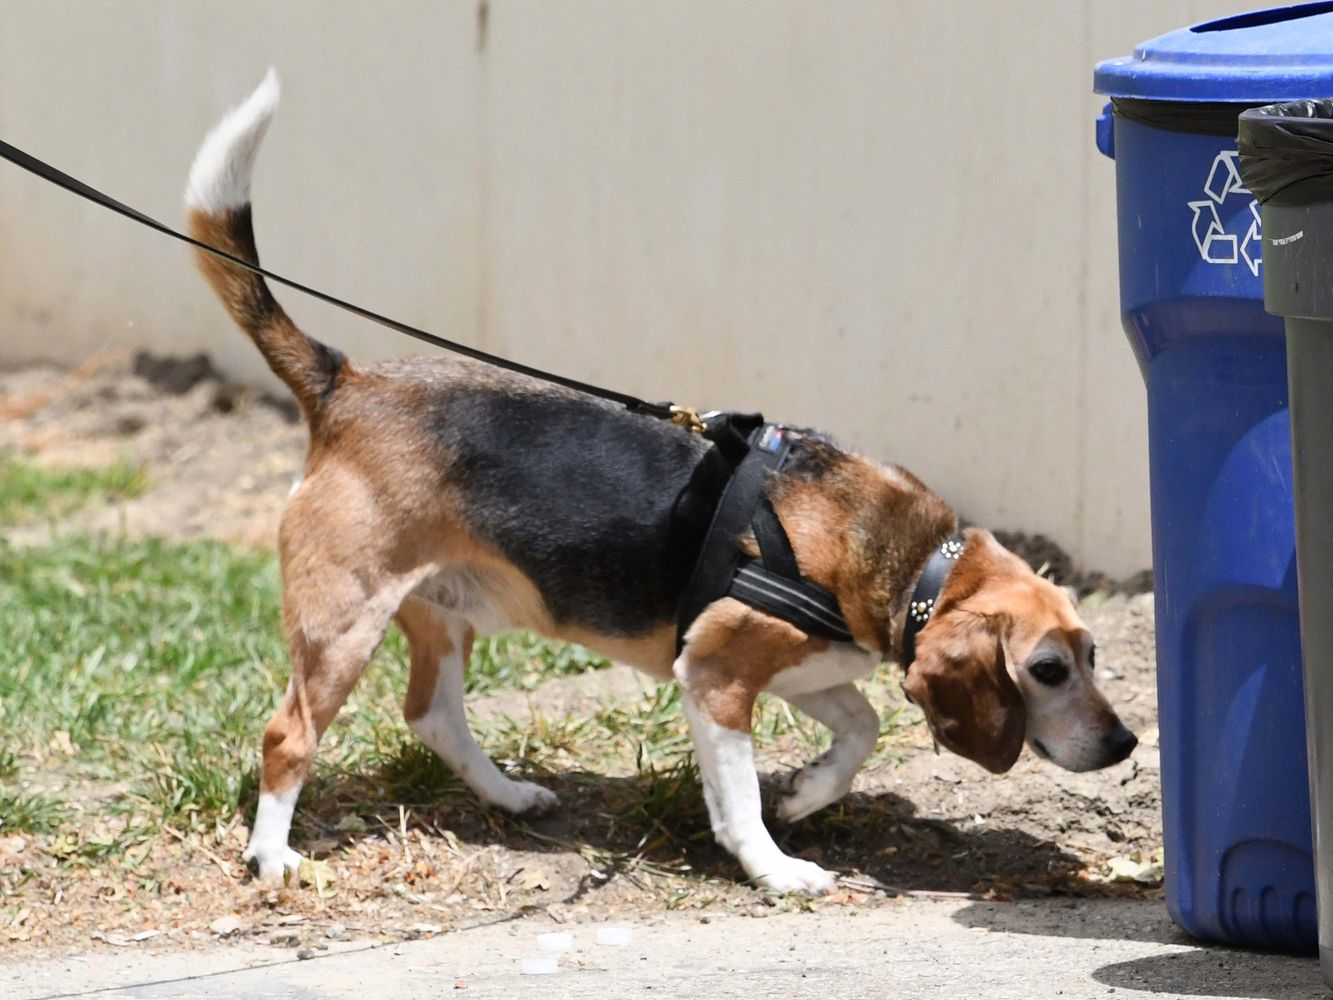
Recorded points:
318,874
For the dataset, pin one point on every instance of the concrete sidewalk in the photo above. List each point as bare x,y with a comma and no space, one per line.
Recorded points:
915,949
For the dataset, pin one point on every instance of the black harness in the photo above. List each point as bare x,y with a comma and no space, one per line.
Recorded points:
772,583
753,449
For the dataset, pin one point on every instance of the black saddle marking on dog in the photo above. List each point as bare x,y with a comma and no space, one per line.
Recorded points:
586,498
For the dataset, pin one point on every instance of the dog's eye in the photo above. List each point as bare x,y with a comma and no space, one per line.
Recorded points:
1049,672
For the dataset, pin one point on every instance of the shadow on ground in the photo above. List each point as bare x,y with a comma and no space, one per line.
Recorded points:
658,816
1065,918
1191,968
1218,972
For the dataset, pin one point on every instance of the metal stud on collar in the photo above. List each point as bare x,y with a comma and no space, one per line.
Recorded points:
921,610
952,549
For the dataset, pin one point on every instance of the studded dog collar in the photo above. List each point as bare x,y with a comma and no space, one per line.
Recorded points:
927,591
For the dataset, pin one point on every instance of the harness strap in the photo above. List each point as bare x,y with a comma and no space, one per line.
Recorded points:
806,605
719,557
774,545
773,583
927,591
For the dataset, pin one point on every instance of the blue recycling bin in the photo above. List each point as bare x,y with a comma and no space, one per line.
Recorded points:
1235,793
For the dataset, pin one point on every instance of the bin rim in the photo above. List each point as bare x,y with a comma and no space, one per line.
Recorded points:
1275,54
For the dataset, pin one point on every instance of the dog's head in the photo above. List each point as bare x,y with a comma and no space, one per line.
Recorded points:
1005,659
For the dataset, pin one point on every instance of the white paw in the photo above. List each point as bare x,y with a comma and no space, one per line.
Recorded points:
523,797
810,789
271,864
794,875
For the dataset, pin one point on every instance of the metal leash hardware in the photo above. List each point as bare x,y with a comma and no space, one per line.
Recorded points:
687,417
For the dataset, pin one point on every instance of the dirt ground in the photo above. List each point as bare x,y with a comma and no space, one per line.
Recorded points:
221,460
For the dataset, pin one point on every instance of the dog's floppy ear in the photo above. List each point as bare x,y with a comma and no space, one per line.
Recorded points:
960,682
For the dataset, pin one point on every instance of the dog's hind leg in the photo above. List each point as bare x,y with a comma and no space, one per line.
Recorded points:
334,619
324,670
855,725
441,645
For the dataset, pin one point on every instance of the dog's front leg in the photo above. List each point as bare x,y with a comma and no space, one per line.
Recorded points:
855,726
719,715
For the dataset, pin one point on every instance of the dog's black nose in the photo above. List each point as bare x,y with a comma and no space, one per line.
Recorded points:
1120,743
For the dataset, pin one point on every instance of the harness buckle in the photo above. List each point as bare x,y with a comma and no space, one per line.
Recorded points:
687,417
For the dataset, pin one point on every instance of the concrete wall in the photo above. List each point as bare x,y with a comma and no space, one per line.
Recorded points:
887,219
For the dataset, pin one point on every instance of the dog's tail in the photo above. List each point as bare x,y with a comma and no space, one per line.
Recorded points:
218,200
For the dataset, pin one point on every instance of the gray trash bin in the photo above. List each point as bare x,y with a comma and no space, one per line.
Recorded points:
1286,154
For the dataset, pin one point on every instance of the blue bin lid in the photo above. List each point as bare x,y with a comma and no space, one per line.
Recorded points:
1267,55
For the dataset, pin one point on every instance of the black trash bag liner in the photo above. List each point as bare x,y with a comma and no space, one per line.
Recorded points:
1194,117
1286,152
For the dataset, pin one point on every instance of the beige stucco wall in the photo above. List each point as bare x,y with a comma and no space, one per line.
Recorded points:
884,218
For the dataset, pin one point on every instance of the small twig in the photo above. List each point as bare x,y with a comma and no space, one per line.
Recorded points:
467,865
402,829
869,884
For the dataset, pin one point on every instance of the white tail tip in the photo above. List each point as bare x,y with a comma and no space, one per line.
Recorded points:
220,177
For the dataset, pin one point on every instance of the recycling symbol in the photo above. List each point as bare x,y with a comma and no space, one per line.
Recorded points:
1217,245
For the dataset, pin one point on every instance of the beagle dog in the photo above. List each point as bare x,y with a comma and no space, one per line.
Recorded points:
454,499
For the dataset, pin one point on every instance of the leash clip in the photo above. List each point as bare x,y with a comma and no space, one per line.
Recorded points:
687,417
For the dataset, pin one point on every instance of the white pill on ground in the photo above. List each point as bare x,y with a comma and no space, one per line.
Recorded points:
543,966
615,935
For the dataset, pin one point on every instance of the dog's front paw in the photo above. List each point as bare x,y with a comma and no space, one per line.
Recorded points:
271,865
810,789
524,797
795,875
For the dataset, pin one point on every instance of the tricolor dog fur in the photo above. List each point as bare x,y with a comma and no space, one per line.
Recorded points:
454,499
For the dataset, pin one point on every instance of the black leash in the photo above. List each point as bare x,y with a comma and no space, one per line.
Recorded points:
681,415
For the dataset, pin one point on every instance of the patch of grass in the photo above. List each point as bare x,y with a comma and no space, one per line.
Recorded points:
122,645
31,812
159,663
195,775
31,492
654,726
514,661
671,809
520,661
409,773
